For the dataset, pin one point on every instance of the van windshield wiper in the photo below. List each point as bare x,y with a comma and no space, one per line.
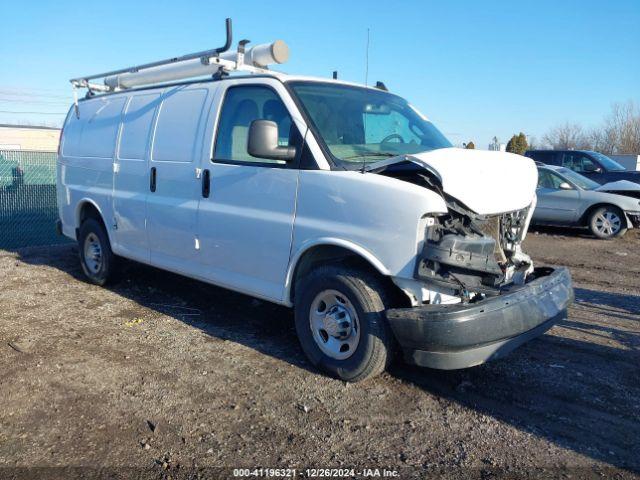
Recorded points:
371,154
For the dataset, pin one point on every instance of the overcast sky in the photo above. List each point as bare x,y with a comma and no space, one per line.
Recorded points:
477,69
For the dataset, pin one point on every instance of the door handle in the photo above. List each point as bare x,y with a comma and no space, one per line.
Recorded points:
206,183
152,180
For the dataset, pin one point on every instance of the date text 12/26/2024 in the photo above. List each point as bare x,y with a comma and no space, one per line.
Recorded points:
315,473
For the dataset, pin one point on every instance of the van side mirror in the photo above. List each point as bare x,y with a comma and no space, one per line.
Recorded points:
565,186
263,142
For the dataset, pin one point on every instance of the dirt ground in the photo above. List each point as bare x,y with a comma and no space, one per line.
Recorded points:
161,376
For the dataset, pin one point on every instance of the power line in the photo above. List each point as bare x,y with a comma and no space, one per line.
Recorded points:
34,113
41,102
45,91
10,93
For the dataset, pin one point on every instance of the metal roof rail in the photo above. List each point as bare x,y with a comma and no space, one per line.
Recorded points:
83,82
206,62
190,56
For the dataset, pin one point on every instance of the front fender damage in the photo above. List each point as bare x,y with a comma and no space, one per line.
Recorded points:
465,256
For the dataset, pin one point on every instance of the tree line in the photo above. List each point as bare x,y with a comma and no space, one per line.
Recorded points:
619,132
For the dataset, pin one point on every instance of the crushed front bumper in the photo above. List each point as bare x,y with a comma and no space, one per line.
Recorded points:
463,335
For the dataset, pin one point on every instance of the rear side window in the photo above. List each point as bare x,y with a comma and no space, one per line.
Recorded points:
242,105
94,133
178,125
136,126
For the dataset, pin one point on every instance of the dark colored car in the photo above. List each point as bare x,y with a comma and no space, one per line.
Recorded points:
593,165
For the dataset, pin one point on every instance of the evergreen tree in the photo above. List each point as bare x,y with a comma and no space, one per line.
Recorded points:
518,144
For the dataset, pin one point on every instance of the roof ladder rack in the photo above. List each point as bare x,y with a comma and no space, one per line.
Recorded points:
208,62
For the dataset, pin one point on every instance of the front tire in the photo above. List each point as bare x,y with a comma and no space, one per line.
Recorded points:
608,222
340,321
96,258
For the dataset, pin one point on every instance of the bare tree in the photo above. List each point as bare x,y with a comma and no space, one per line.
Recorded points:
601,141
567,136
620,132
621,129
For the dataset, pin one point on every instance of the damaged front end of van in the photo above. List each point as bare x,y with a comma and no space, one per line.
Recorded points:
475,294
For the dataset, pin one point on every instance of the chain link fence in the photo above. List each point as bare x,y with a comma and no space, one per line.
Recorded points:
28,209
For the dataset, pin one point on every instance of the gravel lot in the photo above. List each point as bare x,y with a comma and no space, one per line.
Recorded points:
163,376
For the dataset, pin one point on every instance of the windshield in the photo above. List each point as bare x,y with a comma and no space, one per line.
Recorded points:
577,179
608,163
362,125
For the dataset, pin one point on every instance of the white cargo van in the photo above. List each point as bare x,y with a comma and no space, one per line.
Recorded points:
339,200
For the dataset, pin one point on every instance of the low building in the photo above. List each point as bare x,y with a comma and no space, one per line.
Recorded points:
29,137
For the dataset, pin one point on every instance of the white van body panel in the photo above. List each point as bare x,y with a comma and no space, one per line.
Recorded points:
379,215
245,228
85,165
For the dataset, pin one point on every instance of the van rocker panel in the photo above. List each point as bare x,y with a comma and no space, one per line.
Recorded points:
463,335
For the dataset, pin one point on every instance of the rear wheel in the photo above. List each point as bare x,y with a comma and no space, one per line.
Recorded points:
608,222
96,257
340,321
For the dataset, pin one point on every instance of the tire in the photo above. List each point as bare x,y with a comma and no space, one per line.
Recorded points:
346,291
608,222
96,258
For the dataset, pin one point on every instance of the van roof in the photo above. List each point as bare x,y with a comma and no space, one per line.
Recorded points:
303,78
283,77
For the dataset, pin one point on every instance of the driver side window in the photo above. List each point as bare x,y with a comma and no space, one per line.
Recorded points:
547,179
242,105
578,162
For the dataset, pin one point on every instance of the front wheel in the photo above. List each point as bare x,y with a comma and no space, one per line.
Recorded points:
607,222
340,321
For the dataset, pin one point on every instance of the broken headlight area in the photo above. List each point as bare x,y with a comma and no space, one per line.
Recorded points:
473,254
634,217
